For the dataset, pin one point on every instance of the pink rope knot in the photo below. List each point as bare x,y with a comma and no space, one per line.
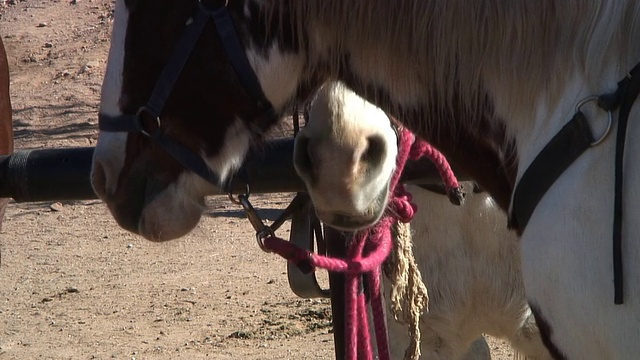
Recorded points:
355,267
403,207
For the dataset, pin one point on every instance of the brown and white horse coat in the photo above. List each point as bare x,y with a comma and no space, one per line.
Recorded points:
453,71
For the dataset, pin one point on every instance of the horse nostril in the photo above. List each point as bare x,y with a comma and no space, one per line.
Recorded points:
374,153
302,158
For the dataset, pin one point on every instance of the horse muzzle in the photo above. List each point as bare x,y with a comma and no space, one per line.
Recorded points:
155,210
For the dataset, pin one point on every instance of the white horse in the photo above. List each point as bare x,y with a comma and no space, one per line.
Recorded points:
456,72
469,261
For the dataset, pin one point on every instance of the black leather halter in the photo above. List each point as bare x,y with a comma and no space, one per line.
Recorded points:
564,148
147,119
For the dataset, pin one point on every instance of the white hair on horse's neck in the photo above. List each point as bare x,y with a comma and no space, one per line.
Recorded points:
453,48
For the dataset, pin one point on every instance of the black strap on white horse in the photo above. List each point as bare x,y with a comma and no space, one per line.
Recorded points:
147,119
628,90
563,149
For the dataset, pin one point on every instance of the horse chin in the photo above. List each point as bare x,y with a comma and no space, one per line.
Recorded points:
356,220
174,211
348,222
167,218
159,212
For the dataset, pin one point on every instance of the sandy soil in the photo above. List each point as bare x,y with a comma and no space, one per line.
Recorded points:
73,285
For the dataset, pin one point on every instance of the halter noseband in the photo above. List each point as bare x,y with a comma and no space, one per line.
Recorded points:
147,120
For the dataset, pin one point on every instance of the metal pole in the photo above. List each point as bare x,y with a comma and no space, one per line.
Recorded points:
63,174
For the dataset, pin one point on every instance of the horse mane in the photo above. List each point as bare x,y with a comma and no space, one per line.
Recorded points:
455,48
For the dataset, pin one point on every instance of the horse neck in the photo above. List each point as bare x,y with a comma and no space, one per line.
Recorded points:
558,50
411,46
484,153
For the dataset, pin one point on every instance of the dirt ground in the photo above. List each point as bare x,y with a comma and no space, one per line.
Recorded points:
73,285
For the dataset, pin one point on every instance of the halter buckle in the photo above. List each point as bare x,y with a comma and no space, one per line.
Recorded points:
148,122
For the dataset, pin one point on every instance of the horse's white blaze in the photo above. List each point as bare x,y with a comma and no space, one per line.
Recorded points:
110,154
184,195
354,108
110,150
278,73
112,84
235,148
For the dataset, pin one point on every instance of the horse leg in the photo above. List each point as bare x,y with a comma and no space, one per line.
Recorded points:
478,350
527,341
440,340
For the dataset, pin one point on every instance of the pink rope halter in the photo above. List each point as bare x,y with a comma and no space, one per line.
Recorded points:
367,252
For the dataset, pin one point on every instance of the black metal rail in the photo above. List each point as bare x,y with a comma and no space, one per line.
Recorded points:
63,173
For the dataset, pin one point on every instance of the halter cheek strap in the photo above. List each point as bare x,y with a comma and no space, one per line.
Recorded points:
147,121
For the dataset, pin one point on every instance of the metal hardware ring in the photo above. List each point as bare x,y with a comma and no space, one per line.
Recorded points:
606,132
236,201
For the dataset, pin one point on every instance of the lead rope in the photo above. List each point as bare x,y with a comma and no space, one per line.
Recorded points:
366,254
